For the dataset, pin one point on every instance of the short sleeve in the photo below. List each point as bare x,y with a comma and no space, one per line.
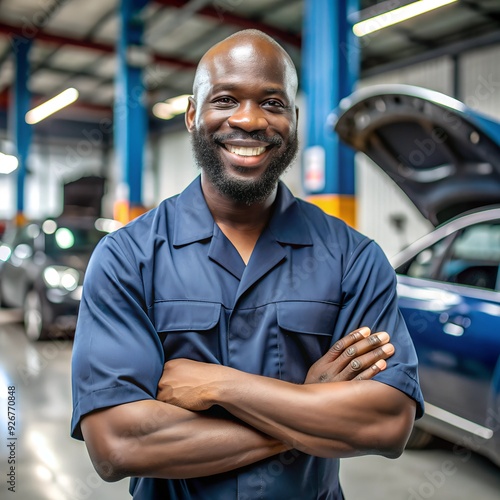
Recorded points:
117,355
370,299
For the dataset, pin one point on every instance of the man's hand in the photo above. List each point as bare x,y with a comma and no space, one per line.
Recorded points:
188,384
359,355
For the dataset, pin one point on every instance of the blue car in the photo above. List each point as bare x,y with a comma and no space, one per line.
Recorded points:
446,158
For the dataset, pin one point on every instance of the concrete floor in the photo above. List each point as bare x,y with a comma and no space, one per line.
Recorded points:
52,466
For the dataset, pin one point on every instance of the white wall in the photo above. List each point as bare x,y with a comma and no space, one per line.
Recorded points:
380,201
7,196
480,76
436,74
176,168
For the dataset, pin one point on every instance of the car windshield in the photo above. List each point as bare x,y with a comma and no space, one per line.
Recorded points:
71,240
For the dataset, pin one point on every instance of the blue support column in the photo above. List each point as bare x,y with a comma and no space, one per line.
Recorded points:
130,118
330,72
20,131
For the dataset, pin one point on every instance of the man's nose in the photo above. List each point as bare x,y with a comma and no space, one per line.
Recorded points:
248,117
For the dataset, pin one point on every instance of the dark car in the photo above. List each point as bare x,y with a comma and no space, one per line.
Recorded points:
446,158
42,265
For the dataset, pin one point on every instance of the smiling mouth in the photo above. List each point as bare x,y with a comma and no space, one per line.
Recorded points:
243,151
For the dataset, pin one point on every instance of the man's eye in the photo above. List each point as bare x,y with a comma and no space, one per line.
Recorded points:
223,100
274,103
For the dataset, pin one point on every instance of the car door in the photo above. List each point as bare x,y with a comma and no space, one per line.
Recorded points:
449,296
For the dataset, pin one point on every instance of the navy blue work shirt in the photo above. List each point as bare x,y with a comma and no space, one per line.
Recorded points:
171,285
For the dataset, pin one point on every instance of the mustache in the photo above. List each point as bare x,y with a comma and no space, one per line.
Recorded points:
274,140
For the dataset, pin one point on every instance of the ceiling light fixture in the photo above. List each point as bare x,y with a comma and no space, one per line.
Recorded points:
397,16
51,106
171,107
8,163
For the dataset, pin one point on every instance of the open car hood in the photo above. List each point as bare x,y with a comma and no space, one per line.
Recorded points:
444,156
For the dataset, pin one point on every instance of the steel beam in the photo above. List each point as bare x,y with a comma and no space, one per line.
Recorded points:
12,30
20,131
130,117
330,70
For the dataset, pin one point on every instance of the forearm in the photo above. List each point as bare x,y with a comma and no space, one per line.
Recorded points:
332,419
155,439
338,412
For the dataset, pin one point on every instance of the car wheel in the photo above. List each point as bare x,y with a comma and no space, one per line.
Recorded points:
35,325
419,439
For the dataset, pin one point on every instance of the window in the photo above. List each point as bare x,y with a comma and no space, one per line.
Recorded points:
474,257
424,264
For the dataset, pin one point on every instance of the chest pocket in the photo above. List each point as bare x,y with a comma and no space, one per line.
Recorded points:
188,329
305,334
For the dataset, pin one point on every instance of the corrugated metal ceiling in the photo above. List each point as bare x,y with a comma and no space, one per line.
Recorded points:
74,39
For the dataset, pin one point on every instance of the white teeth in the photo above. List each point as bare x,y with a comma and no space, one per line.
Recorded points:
245,151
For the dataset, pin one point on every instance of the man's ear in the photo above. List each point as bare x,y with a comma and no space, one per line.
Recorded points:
297,113
190,114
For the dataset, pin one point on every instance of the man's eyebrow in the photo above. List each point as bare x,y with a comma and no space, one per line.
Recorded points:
275,90
220,87
228,87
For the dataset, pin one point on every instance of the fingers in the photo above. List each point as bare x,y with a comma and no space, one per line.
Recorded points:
368,365
372,371
359,355
365,345
344,343
348,349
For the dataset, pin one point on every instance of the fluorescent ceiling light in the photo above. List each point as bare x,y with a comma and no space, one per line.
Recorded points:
171,107
397,16
51,106
8,163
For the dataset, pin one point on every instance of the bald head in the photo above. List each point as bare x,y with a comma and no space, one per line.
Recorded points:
243,46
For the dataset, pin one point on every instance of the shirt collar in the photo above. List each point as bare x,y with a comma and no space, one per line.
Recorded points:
288,223
194,222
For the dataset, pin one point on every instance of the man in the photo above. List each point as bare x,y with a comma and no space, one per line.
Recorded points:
211,359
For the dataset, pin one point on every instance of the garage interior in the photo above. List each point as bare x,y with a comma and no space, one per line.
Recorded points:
70,44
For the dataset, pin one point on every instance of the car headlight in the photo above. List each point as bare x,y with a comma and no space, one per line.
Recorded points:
62,277
5,253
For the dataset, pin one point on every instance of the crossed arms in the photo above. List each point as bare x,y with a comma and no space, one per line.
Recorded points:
337,412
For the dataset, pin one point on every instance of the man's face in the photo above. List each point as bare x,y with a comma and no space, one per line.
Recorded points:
244,121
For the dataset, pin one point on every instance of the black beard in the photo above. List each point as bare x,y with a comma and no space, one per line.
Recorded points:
207,157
